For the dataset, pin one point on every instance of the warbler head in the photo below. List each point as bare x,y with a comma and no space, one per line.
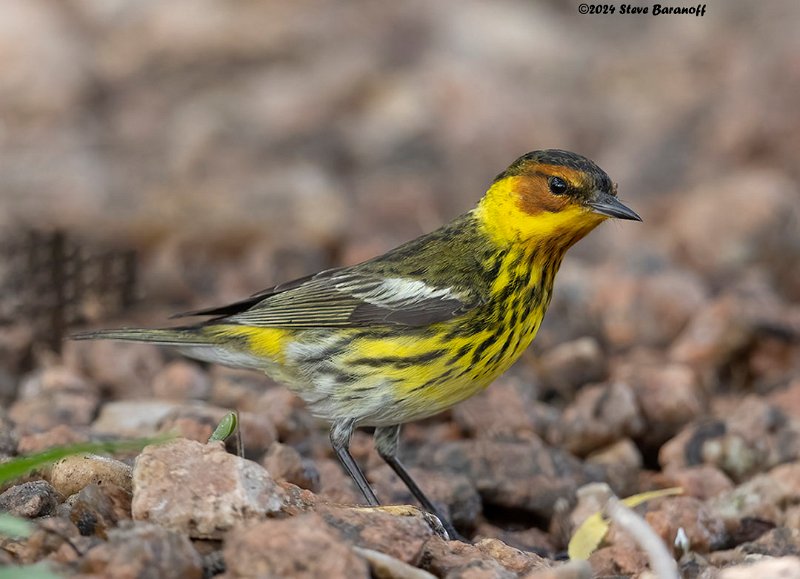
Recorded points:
550,194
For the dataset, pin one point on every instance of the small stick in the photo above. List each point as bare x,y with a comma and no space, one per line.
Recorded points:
661,562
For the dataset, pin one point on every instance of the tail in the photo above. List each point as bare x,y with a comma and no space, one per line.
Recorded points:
185,336
200,342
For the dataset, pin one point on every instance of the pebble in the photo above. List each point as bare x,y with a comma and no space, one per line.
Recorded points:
30,499
508,410
199,489
139,549
524,476
181,380
703,527
284,462
454,494
669,396
570,365
132,418
303,547
487,558
96,509
399,531
769,568
71,474
60,435
600,415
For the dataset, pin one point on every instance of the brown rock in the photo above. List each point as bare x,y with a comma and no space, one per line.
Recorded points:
506,411
60,435
131,373
773,358
779,568
570,365
717,228
293,422
453,493
752,437
617,560
787,399
590,499
749,529
568,570
701,482
704,529
15,348
738,330
181,380
643,309
778,542
30,499
335,485
386,567
456,559
533,540
762,497
197,421
143,550
791,517
8,436
235,388
284,462
669,397
200,489
51,409
282,548
70,474
399,531
55,379
725,558
528,476
510,558
132,418
96,509
58,75
600,415
621,462
50,534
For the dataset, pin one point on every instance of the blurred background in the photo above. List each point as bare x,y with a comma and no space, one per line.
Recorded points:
190,152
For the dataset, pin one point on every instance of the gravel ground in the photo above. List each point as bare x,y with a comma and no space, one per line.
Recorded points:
230,146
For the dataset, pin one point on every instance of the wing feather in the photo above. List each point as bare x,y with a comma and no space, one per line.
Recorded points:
344,298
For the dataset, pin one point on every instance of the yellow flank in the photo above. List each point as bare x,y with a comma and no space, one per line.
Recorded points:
266,343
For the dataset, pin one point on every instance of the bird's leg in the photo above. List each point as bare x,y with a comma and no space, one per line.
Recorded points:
341,432
387,442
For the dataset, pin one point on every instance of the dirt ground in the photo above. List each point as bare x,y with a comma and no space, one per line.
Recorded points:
162,156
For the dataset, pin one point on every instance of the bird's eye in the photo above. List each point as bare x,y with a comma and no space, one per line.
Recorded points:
558,186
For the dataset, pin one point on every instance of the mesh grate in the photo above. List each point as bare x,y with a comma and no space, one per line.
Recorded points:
51,282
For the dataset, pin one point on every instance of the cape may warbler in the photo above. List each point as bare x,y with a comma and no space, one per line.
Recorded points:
414,331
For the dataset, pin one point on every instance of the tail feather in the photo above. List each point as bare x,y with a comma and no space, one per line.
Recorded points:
192,341
187,336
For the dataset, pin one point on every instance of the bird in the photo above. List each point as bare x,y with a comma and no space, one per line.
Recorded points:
420,328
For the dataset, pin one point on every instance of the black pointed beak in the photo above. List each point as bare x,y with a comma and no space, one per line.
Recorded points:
608,205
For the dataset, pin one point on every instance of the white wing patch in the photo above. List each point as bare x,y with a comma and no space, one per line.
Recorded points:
395,292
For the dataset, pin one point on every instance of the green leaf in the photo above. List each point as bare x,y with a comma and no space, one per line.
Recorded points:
590,534
38,571
226,427
11,526
22,465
